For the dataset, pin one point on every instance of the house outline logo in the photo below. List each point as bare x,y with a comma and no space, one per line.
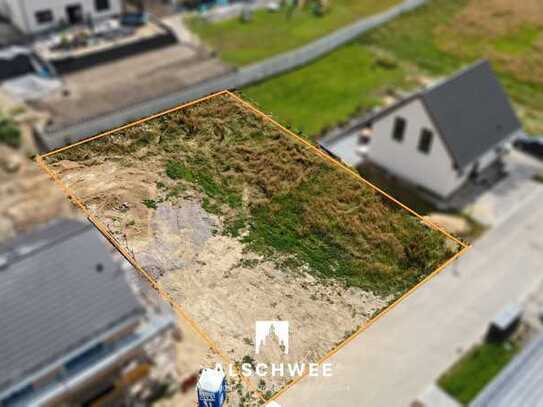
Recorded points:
266,329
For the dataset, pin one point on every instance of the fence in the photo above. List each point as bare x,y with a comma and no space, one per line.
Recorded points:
54,138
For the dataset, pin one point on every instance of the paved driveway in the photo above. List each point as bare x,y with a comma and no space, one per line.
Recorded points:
503,199
399,357
115,85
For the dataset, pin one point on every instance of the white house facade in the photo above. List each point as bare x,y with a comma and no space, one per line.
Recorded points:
395,146
35,16
440,137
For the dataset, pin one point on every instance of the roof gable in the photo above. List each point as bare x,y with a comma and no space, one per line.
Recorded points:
54,297
472,112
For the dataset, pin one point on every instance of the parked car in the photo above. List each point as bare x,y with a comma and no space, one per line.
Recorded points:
530,145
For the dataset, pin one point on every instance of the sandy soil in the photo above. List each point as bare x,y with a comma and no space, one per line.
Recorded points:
28,197
223,286
456,225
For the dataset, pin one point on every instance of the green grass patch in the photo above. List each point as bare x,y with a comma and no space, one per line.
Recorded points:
177,170
538,177
235,227
330,90
354,77
319,95
268,34
518,42
150,203
9,132
297,210
467,377
412,37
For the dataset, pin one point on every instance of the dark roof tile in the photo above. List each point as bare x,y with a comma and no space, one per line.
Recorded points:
472,112
53,299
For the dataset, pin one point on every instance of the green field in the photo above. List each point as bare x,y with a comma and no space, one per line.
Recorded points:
270,33
467,377
319,95
420,43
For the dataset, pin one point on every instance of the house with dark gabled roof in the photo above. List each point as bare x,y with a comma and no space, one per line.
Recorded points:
73,330
442,136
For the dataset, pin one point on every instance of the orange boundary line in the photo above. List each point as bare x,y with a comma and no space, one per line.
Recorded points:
163,293
134,123
166,296
373,320
344,168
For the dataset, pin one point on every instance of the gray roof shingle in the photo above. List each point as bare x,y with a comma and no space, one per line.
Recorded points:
53,298
472,112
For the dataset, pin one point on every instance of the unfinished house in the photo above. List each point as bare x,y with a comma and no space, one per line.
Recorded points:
74,331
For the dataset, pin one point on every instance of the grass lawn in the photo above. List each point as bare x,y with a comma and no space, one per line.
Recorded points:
467,377
268,34
318,95
328,91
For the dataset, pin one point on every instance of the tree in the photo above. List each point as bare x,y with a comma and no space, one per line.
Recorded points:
9,132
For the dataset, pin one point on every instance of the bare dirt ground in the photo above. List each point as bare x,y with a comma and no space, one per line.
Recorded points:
106,88
454,224
213,277
28,197
240,223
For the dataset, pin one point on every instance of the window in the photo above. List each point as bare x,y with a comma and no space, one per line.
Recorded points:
425,141
86,358
44,16
19,398
399,129
101,5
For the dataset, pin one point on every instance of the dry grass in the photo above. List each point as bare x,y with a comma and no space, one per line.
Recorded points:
509,32
497,17
278,197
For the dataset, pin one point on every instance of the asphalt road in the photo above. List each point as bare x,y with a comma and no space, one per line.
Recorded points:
397,358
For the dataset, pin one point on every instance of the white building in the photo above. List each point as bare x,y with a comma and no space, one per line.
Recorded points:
440,137
35,16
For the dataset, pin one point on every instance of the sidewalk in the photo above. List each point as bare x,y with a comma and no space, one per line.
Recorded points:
396,359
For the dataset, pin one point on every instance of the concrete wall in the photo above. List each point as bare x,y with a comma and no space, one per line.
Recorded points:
23,12
4,9
67,65
54,137
433,171
12,10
